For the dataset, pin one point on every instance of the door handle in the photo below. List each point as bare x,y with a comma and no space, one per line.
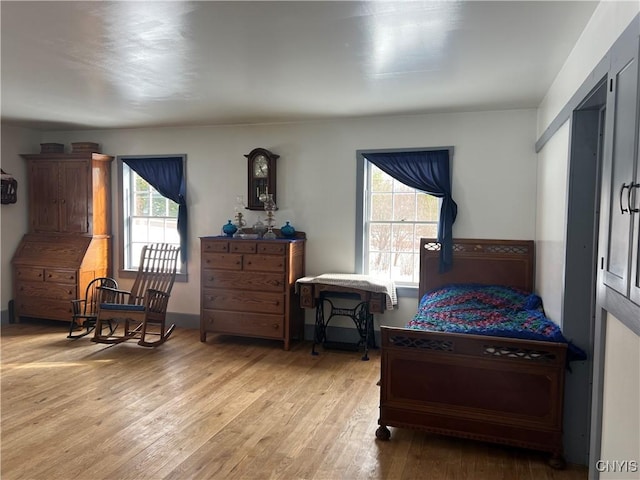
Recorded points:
632,185
624,185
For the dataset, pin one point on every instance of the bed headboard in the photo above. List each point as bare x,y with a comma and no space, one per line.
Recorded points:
499,262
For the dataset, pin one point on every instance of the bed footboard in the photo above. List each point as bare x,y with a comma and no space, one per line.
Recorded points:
494,389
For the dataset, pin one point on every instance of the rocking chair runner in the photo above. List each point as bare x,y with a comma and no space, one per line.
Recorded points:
85,310
144,308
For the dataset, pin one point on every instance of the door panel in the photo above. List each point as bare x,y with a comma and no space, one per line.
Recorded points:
622,112
74,197
43,196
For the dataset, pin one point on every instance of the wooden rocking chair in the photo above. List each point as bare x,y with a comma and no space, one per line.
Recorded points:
85,310
143,309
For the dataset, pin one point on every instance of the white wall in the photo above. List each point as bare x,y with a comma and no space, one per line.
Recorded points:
621,401
551,219
13,217
494,173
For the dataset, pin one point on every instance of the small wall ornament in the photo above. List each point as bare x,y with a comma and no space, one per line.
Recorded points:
9,188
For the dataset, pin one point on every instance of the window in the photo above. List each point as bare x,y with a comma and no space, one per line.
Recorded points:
147,215
396,217
402,196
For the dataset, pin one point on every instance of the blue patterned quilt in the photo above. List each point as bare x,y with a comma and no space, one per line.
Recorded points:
487,310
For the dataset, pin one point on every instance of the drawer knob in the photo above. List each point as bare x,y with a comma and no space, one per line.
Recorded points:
275,326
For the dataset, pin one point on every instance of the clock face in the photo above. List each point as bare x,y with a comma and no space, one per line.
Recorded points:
260,167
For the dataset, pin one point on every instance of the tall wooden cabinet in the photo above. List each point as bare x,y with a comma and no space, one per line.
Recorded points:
68,243
248,287
621,173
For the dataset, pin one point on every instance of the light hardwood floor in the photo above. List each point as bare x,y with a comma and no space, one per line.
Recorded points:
228,409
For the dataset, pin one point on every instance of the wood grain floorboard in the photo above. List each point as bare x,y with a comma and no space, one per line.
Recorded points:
231,408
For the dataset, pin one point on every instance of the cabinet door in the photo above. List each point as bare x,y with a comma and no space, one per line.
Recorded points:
634,281
43,196
74,196
619,165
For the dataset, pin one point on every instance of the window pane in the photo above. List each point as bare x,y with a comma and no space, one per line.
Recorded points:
141,185
401,187
380,237
142,204
425,231
402,237
404,206
139,230
428,208
171,231
159,205
402,270
173,209
379,264
156,230
381,206
380,181
136,251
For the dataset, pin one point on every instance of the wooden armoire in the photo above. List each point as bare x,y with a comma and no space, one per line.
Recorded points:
69,238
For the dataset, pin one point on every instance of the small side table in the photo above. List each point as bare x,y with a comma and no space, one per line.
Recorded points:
374,297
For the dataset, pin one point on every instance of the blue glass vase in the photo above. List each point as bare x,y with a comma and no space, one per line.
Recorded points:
229,229
288,231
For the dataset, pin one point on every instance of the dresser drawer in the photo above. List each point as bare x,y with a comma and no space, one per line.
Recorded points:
43,308
47,290
272,248
244,324
30,273
225,261
264,263
242,301
243,247
60,276
268,282
220,246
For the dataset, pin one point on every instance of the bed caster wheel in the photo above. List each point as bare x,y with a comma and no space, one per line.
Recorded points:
383,433
557,462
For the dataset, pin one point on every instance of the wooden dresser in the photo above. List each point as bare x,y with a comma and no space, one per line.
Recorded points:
248,287
68,243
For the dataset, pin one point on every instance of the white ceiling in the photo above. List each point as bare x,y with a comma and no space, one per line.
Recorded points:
78,65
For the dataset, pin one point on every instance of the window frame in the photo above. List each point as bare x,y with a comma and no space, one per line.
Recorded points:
182,274
361,249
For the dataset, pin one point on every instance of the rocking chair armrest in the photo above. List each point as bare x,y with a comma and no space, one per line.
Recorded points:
156,300
157,293
76,305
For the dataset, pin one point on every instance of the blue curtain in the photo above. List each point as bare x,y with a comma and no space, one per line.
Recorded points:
166,175
429,172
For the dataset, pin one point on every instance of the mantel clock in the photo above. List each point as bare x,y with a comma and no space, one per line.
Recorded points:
261,177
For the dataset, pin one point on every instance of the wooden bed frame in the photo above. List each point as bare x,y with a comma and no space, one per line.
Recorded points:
494,389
